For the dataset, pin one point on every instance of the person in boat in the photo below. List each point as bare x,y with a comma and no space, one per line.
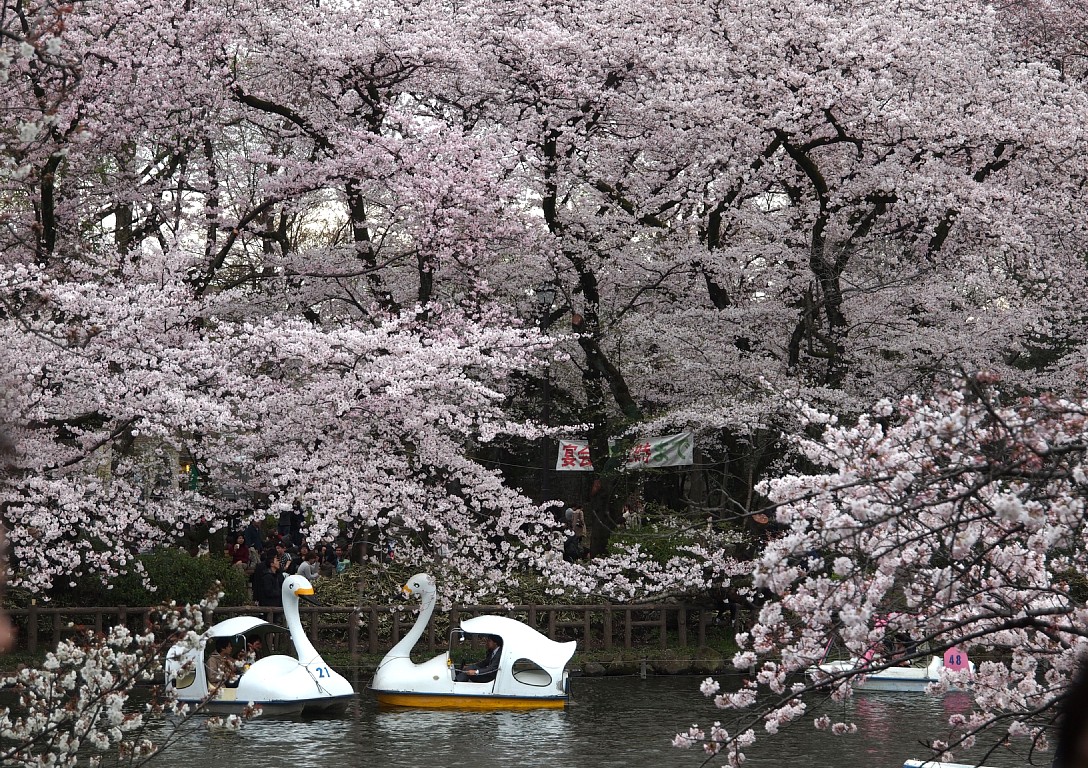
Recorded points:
484,671
901,648
254,649
220,667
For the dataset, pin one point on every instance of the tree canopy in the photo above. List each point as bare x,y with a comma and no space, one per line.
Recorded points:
294,246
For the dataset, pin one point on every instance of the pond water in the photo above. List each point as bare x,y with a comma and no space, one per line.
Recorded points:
626,722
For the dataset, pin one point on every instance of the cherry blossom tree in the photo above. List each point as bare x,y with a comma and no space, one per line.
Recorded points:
956,520
173,294
223,237
738,196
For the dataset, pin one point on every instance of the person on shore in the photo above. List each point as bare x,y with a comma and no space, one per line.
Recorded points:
238,553
252,535
269,584
308,568
283,554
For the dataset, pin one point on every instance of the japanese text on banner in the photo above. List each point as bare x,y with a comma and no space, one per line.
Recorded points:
667,451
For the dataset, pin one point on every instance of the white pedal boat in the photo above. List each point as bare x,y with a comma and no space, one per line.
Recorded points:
531,673
291,679
895,679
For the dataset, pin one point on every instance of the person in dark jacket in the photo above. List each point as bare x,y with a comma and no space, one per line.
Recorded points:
268,582
485,671
252,534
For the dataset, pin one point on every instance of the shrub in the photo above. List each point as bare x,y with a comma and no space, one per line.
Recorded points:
178,577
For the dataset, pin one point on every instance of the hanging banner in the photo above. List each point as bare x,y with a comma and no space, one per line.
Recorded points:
573,456
668,451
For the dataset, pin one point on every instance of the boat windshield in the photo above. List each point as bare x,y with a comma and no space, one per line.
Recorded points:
466,648
264,640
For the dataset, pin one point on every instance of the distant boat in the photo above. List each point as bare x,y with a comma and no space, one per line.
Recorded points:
292,679
891,679
531,673
909,678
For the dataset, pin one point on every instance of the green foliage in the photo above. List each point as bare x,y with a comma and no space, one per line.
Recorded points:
378,584
661,533
660,545
1077,584
178,577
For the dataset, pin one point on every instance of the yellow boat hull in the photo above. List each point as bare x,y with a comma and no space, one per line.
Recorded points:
462,701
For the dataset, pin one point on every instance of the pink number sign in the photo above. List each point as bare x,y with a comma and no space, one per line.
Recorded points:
955,659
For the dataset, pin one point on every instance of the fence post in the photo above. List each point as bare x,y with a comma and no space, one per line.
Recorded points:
664,627
627,628
551,622
353,637
372,631
455,618
315,622
703,616
608,626
682,625
32,626
587,622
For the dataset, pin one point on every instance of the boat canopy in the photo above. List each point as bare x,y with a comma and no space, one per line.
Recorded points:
238,625
522,640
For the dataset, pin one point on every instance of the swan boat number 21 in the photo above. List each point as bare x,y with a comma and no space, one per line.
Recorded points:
531,668
287,677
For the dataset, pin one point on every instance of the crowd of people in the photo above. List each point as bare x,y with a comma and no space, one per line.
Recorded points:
267,561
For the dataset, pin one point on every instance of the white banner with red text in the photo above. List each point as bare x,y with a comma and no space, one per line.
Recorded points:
667,451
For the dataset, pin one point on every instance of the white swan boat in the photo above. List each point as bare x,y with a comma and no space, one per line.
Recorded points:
531,670
896,679
288,677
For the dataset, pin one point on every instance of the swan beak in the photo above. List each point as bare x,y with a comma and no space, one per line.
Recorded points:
304,591
406,589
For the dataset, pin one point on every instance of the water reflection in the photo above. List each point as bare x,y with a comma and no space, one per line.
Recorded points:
460,737
271,742
614,723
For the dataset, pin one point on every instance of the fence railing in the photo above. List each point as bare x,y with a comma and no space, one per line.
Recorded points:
372,629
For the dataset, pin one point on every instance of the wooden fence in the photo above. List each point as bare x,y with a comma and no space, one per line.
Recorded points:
372,629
